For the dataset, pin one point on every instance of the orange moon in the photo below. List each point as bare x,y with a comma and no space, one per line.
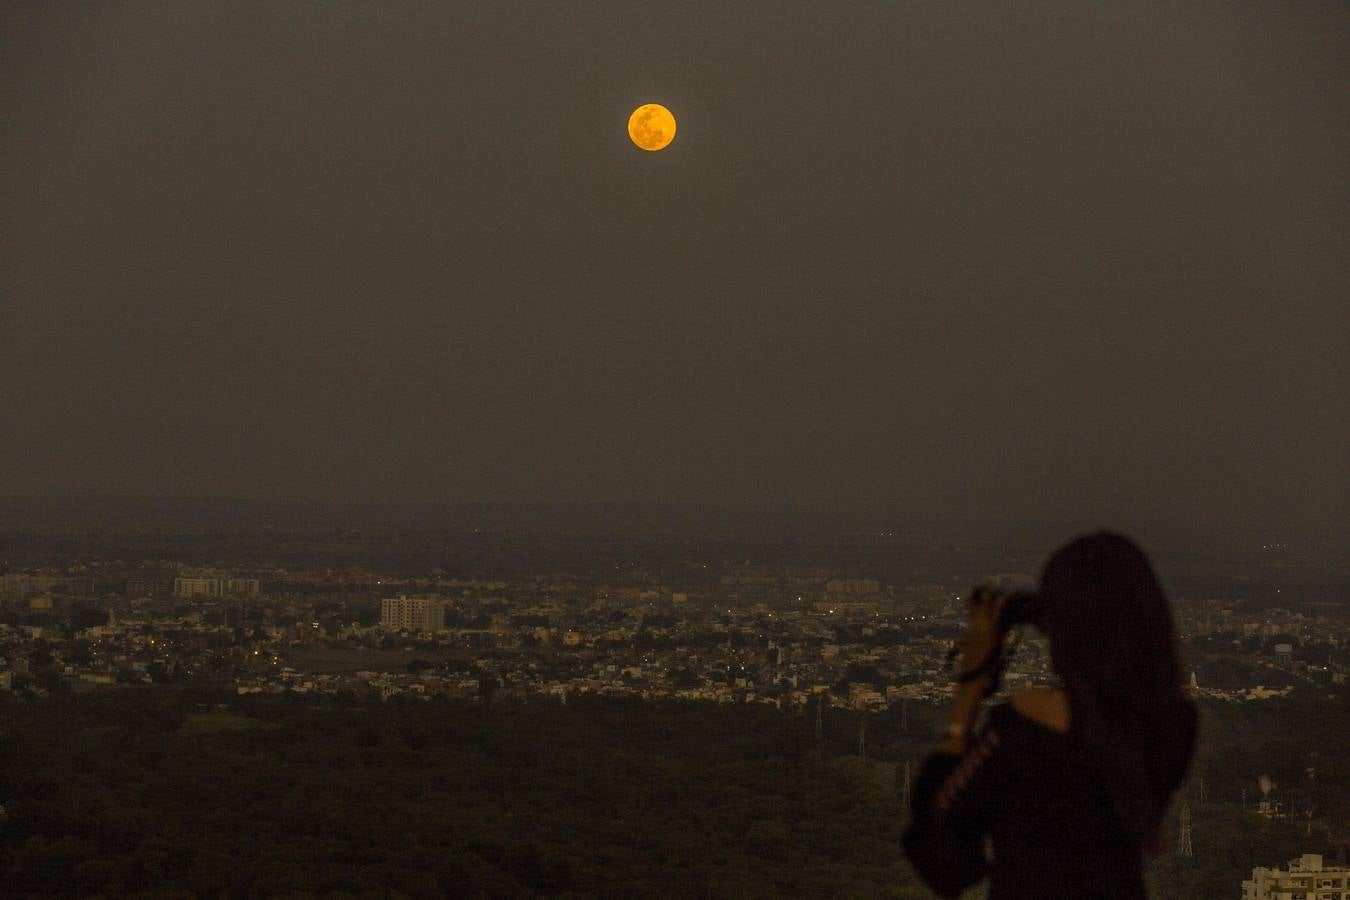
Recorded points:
651,126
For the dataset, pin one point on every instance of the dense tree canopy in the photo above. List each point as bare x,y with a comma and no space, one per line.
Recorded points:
165,791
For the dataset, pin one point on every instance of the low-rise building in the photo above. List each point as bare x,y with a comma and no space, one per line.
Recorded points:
1306,878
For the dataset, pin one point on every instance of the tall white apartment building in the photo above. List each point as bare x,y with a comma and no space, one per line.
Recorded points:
215,586
197,587
412,613
249,587
1305,879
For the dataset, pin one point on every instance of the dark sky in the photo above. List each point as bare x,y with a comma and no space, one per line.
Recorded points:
1084,260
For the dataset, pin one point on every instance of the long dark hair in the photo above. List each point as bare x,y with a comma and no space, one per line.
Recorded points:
1112,642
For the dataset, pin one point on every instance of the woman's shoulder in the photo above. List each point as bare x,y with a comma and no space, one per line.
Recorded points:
1044,706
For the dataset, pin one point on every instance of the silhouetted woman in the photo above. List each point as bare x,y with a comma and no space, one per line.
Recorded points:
1062,791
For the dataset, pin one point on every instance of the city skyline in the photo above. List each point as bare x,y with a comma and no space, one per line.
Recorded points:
824,666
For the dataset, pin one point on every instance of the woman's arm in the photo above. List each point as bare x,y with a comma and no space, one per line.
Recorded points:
961,721
984,638
950,810
950,799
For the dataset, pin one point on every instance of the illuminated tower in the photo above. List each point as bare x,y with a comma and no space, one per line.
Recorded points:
1184,838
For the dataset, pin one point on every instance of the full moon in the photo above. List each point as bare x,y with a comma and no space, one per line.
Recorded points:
651,126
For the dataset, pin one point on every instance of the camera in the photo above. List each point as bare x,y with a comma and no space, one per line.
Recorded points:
1021,608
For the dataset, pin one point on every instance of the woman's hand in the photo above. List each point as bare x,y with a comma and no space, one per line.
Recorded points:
983,634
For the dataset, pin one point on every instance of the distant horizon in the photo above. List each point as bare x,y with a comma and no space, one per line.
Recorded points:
784,518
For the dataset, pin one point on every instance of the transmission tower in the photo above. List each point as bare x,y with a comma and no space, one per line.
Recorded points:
862,738
820,724
1244,799
1204,797
904,715
1184,838
904,797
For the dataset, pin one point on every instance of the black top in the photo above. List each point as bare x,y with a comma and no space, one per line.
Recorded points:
1025,806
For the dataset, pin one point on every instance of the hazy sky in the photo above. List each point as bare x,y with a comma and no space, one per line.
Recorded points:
1048,260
